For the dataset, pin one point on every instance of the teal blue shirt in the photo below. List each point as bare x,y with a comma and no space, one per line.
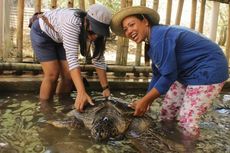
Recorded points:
180,54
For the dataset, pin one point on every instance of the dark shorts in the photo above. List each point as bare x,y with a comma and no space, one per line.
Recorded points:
45,48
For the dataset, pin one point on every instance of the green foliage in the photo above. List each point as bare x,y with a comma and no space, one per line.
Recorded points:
113,5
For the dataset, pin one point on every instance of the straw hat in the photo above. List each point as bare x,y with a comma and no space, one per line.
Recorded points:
116,23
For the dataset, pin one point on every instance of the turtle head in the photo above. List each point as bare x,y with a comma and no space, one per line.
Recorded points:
104,128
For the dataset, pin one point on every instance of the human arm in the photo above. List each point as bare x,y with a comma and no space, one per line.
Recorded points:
82,97
142,105
100,66
164,74
71,32
103,81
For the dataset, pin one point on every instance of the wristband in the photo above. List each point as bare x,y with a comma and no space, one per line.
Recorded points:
105,87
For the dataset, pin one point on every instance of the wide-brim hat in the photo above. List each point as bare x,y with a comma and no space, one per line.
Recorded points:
116,23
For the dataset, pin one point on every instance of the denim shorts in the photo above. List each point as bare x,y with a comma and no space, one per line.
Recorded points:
45,48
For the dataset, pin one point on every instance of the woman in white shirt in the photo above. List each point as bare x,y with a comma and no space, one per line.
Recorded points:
56,38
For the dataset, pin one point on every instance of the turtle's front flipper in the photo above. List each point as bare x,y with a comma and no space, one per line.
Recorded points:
70,123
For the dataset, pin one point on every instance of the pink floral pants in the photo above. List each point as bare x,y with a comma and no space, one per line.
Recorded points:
187,104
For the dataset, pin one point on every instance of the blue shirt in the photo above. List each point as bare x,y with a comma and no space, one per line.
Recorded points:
180,54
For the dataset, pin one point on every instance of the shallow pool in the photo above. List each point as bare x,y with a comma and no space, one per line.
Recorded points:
21,130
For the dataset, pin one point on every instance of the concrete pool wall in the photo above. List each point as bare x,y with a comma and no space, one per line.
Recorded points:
32,83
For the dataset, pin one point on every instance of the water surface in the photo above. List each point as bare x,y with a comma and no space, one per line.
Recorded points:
22,131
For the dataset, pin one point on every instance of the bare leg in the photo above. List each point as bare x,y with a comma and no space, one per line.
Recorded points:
49,82
65,84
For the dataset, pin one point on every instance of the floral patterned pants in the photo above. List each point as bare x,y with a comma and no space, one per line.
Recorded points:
187,104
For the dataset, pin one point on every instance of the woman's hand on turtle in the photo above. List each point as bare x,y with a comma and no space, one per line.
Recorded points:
81,100
140,107
106,93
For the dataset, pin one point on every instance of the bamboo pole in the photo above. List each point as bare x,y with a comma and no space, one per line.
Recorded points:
179,12
122,44
139,45
193,14
82,4
125,51
84,68
214,20
119,49
138,57
120,41
20,19
70,3
53,4
38,6
227,51
126,42
138,54
143,2
91,2
155,5
222,1
202,13
168,12
7,44
1,30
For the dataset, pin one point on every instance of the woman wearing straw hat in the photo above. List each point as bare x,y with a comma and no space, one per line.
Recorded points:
189,68
56,37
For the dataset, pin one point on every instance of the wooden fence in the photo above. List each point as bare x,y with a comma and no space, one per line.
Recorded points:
19,19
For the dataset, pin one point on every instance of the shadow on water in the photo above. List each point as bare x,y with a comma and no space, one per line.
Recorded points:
22,130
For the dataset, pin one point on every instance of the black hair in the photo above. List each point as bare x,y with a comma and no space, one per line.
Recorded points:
99,43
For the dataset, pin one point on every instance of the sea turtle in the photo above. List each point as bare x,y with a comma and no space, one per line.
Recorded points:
112,119
108,118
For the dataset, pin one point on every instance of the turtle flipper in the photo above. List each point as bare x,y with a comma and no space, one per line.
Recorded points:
72,123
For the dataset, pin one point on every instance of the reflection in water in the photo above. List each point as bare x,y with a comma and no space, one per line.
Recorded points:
22,131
